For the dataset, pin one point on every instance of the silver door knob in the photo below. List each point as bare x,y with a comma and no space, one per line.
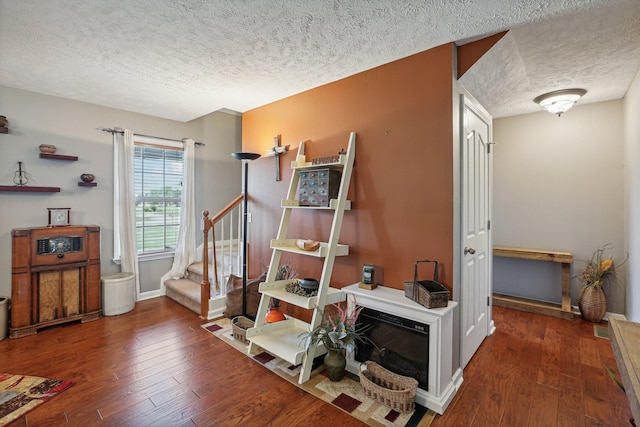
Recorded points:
469,251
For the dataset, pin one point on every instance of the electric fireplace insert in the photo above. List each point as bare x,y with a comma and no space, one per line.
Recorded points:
398,344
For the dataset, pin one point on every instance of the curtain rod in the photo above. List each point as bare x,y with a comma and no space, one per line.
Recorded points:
121,132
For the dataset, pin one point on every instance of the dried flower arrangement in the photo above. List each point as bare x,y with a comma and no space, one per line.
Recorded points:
599,267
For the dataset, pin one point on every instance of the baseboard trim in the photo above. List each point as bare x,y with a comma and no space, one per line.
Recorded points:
606,317
217,306
457,378
150,294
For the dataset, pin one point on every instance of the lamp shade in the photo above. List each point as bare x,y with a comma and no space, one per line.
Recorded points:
245,156
559,101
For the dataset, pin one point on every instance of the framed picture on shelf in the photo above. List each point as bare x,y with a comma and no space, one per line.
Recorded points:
58,217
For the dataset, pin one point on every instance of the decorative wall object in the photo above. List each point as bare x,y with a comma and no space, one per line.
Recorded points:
48,148
276,151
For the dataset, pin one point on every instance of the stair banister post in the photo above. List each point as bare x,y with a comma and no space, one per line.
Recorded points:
205,289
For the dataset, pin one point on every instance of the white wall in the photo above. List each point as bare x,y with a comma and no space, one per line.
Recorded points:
36,119
632,192
558,185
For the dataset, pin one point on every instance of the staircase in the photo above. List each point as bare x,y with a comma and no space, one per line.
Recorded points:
217,261
187,291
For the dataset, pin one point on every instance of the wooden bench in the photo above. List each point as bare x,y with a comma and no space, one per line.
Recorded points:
562,310
625,341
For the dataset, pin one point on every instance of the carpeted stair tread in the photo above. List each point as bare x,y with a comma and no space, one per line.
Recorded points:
185,292
195,270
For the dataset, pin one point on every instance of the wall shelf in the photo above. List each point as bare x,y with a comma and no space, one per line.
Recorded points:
87,184
29,189
58,157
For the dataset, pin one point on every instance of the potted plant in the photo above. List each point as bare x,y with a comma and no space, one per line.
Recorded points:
338,332
592,301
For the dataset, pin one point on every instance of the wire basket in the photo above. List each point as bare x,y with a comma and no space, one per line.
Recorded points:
395,391
429,293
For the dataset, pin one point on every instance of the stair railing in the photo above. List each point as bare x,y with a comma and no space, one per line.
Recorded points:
223,221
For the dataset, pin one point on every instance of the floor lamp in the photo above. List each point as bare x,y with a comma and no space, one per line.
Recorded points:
246,158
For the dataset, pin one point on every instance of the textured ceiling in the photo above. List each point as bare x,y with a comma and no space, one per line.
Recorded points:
598,50
182,59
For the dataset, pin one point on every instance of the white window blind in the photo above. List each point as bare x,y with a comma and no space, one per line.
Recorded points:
158,171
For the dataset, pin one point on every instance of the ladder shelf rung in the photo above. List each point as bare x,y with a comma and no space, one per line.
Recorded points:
333,205
289,245
283,339
278,290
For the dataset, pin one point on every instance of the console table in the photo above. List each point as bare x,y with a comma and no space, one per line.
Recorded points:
563,310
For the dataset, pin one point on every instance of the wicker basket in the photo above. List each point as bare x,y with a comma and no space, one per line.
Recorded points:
428,293
240,324
592,303
395,391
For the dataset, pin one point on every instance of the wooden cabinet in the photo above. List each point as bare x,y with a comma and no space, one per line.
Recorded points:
55,277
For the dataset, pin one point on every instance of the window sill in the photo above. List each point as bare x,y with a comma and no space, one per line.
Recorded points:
153,257
150,257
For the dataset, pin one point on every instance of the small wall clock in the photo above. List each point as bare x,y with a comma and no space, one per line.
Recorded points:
58,217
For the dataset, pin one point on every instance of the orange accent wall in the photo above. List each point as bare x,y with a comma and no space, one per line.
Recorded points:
469,53
402,186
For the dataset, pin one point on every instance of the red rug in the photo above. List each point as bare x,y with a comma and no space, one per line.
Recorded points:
21,393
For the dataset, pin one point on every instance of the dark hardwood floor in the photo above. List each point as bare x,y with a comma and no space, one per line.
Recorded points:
539,371
157,366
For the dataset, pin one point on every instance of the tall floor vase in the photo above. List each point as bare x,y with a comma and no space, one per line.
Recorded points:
592,303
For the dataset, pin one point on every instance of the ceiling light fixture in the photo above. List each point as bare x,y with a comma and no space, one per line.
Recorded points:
559,101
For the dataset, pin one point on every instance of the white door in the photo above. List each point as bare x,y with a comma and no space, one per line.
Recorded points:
476,240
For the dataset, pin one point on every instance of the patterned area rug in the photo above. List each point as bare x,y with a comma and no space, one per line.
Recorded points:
345,394
21,393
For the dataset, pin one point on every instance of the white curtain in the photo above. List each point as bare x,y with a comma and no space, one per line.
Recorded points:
125,245
186,248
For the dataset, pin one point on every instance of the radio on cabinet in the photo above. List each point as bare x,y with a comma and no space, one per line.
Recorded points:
55,277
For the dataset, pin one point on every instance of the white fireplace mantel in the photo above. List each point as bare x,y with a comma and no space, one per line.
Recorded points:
442,382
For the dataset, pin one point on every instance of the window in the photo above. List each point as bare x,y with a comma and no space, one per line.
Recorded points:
158,193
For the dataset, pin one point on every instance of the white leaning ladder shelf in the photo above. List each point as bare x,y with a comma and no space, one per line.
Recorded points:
283,339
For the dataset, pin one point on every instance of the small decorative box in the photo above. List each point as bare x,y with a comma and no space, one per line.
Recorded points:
318,187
